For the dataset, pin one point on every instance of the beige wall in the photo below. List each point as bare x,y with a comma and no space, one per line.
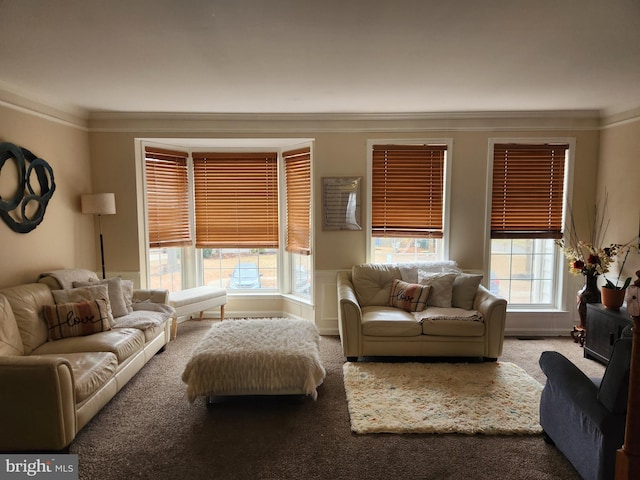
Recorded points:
65,238
619,176
335,154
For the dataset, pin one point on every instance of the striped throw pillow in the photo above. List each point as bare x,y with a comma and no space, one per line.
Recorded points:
410,297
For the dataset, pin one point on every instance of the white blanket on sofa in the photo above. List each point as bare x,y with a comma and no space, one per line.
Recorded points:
256,357
66,276
443,313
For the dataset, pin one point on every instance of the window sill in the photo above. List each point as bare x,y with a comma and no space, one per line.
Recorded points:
297,298
535,310
269,295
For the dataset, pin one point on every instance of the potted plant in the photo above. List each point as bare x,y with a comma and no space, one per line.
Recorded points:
612,293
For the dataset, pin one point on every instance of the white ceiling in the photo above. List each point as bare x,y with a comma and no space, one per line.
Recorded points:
322,56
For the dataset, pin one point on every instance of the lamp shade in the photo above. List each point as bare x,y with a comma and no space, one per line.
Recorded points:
98,203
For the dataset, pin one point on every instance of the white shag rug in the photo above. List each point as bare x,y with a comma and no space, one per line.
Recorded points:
488,398
268,356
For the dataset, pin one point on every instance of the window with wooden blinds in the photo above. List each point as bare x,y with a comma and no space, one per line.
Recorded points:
236,199
297,169
407,191
167,184
528,190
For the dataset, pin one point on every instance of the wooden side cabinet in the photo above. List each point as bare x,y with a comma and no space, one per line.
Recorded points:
604,327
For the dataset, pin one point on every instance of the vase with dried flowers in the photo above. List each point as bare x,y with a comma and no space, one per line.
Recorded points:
589,261
588,258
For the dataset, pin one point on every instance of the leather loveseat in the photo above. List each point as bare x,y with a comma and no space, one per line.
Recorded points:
382,312
55,377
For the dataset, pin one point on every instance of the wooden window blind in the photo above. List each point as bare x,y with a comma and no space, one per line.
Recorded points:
167,185
236,199
528,190
407,191
297,168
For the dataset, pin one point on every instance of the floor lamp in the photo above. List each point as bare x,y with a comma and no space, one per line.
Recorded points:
99,204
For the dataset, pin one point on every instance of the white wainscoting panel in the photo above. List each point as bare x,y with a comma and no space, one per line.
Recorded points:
326,301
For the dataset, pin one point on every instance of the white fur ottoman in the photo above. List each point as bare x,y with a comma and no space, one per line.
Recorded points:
256,357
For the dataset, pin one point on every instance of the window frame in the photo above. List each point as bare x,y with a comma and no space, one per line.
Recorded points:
560,296
448,142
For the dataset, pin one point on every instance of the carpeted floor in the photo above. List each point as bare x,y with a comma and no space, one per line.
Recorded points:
150,430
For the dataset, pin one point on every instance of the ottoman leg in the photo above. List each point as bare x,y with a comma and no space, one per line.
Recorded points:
174,328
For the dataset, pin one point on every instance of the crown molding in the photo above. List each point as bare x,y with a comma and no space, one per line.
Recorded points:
265,123
65,115
621,118
300,123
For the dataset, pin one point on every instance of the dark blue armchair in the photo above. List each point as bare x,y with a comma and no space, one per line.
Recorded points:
583,417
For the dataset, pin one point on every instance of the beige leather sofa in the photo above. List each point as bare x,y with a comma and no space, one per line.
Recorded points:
470,325
50,389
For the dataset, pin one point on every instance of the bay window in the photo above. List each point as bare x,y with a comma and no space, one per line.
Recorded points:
214,219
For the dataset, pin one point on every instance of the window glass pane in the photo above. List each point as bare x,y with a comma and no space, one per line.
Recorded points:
520,264
165,268
240,269
523,270
301,275
396,249
500,246
520,291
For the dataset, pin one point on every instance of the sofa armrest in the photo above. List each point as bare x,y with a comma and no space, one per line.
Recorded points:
349,316
494,312
151,295
569,386
37,403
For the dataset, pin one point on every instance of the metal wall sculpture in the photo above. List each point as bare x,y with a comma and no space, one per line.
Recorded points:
25,210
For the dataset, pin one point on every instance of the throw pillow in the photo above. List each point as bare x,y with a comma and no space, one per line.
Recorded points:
465,288
127,292
85,294
410,297
441,287
76,319
409,270
116,297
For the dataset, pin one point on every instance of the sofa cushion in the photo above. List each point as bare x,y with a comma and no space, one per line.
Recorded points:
453,328
91,370
10,341
85,294
411,297
26,303
613,391
76,319
372,282
441,287
123,342
116,296
389,322
465,287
